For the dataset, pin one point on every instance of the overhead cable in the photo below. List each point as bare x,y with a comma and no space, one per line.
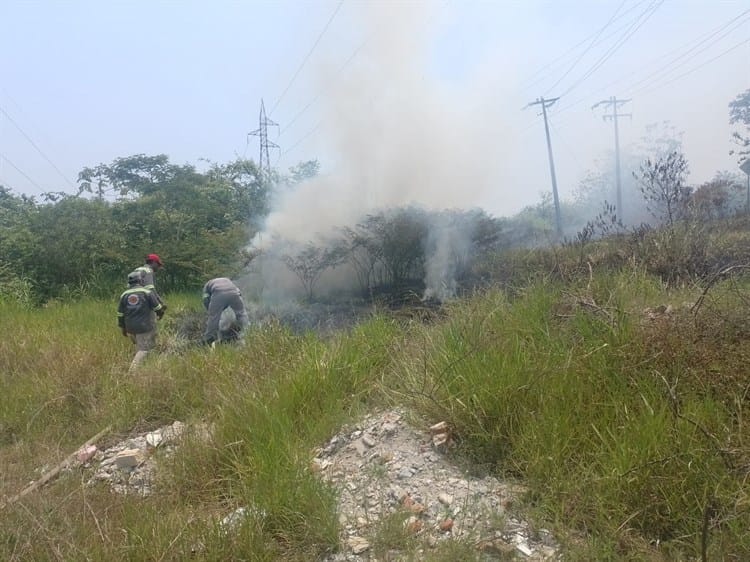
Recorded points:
307,57
20,171
528,82
321,92
39,150
691,45
637,24
698,67
587,49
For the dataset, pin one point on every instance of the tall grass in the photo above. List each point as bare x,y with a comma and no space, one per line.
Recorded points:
571,396
628,430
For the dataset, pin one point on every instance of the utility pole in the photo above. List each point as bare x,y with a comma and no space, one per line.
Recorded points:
264,162
545,104
614,103
745,167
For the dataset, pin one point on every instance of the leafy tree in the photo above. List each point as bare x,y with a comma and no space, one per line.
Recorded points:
17,246
17,242
246,191
662,183
200,222
739,114
79,247
303,171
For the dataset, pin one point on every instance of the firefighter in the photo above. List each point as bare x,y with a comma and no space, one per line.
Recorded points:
137,313
219,294
152,265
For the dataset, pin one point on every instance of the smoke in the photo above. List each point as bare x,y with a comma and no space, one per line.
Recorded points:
400,136
448,247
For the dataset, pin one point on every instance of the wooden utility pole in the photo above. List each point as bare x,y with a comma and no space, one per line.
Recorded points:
615,103
545,104
745,167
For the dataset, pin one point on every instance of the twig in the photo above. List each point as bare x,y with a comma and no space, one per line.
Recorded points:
674,401
662,460
55,471
723,273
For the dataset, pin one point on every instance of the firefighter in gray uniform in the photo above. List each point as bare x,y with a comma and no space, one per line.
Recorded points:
149,269
219,294
137,313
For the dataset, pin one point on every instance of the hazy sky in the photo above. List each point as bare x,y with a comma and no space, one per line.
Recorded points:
400,101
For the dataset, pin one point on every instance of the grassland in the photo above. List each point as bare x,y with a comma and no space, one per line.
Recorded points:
619,401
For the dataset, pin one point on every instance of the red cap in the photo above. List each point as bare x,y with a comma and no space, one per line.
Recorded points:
154,258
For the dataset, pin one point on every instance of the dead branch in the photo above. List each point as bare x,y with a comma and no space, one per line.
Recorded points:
49,475
719,275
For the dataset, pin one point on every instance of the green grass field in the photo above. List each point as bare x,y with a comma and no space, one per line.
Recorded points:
627,427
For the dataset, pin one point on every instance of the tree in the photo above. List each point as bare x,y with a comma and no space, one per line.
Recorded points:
310,263
719,197
17,245
303,171
739,114
79,247
662,183
247,190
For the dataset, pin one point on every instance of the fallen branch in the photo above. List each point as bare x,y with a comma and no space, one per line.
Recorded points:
55,471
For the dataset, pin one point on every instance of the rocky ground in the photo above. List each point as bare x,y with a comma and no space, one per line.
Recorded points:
382,468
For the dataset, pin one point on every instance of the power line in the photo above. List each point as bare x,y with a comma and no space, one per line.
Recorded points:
304,138
587,49
692,46
635,26
20,171
700,39
528,83
670,67
321,92
39,150
709,61
307,57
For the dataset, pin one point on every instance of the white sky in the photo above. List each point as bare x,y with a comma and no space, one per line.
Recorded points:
400,101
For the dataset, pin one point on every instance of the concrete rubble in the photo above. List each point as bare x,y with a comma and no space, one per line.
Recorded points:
128,466
383,465
379,467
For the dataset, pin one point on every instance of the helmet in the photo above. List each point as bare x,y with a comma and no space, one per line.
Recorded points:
135,277
153,258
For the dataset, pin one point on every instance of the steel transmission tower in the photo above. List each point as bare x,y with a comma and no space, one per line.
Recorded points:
614,103
264,162
545,104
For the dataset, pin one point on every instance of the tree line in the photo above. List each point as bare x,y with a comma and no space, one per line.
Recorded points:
202,221
85,243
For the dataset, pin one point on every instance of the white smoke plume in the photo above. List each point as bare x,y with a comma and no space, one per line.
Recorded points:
399,135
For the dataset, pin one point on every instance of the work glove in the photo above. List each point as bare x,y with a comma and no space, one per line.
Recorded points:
159,313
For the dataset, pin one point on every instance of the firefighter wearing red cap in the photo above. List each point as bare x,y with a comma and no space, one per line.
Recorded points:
152,265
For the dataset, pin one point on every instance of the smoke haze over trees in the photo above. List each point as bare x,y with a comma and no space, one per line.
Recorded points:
301,234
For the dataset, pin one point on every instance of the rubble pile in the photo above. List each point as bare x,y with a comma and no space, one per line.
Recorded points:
128,466
380,467
383,466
